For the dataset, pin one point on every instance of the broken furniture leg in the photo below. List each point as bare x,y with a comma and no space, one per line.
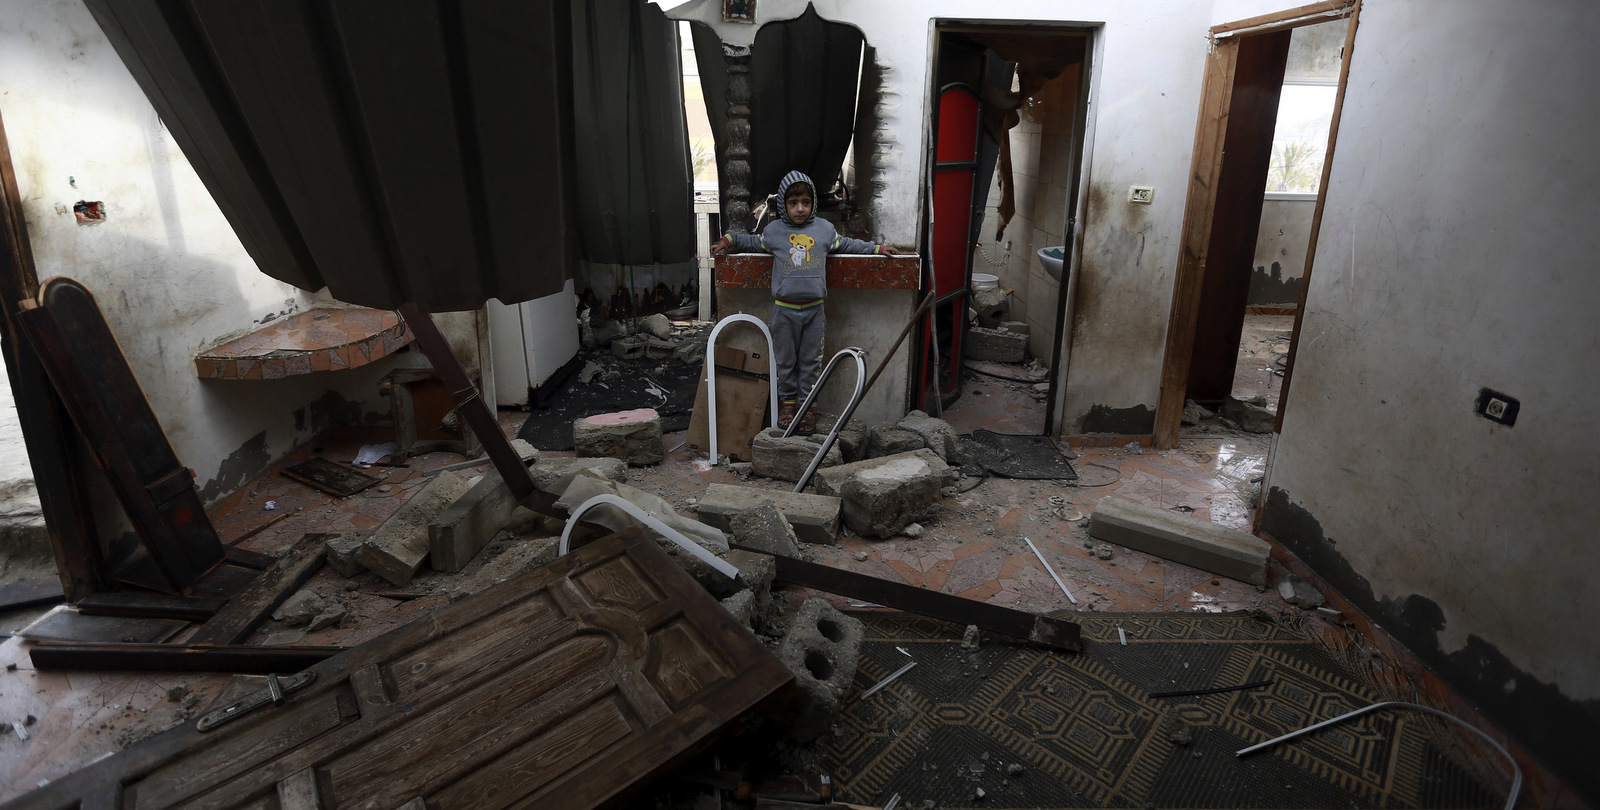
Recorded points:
1043,630
473,410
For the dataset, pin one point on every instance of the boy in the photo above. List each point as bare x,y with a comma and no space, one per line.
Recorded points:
799,244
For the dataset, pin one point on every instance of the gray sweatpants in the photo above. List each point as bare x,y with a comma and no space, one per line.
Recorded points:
796,349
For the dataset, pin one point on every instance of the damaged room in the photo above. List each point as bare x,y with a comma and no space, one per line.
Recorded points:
721,404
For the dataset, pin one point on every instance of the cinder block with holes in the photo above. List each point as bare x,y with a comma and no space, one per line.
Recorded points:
821,649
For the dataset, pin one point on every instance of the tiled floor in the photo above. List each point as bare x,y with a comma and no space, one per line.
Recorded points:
972,545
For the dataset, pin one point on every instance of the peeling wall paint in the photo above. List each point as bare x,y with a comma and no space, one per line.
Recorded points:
1455,254
166,268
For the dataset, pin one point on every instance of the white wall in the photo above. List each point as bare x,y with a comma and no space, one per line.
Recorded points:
1144,97
1457,251
1282,239
165,266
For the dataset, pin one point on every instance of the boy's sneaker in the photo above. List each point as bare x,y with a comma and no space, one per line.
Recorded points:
808,423
786,414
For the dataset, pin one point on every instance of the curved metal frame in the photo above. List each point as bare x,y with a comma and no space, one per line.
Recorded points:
650,520
833,436
711,374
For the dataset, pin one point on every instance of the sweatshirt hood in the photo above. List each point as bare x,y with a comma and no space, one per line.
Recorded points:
783,190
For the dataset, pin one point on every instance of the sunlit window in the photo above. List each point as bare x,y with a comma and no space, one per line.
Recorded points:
1300,139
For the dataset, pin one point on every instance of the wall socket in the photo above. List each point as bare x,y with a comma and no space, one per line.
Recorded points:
1141,195
1497,407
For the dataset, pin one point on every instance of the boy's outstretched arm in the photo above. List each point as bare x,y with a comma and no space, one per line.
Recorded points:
745,242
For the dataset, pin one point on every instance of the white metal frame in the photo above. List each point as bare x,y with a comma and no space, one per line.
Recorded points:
711,373
650,520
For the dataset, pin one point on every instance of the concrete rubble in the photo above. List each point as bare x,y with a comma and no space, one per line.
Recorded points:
937,435
633,436
458,533
821,649
765,528
398,547
996,345
1253,416
881,496
1180,538
786,459
814,518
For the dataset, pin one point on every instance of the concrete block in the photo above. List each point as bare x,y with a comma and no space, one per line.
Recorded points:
773,456
553,474
764,527
461,531
822,649
1182,539
397,548
629,347
1019,327
886,440
1253,417
937,435
852,441
341,552
657,349
607,331
633,436
994,345
814,518
992,306
881,496
657,325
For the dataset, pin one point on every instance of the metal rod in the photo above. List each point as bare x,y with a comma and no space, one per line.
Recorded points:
885,682
927,301
1053,575
649,520
1217,691
838,425
1516,780
711,374
475,412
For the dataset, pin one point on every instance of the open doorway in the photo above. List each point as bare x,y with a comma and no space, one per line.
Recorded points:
1271,106
1009,104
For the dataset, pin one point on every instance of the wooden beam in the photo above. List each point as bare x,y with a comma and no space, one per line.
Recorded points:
47,430
246,611
1289,18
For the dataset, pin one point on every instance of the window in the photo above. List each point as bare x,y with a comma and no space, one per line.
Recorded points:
1300,139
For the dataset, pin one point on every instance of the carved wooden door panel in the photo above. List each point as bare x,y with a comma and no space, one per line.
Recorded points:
561,688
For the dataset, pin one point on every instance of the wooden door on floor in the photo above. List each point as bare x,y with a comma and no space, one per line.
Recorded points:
564,687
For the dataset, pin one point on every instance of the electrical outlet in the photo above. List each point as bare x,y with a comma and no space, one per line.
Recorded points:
1497,407
1141,195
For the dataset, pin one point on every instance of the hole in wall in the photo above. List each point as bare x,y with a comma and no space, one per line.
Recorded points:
88,213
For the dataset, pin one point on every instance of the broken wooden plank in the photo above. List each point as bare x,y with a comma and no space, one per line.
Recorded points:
150,605
250,607
66,624
1042,630
335,479
567,686
31,592
133,657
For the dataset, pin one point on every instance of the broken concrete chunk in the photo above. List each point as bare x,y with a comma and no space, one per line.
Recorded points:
300,608
765,528
1193,412
773,456
886,440
461,531
992,306
629,347
329,617
741,605
937,435
341,552
1018,327
658,349
553,474
1164,533
1298,592
658,325
821,648
852,442
881,496
996,346
1252,418
396,549
814,518
586,485
633,436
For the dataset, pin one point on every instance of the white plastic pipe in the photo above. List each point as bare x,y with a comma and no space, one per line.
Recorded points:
711,374
649,520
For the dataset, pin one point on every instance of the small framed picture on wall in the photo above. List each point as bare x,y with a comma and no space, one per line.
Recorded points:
739,11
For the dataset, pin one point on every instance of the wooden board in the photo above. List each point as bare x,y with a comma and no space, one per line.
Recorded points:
741,404
30,592
70,625
335,479
565,687
246,610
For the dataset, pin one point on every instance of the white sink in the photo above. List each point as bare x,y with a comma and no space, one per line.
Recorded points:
1052,265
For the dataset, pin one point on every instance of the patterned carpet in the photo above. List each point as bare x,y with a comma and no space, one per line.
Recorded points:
1087,733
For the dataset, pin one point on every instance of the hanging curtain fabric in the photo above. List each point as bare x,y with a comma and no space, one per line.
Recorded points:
635,192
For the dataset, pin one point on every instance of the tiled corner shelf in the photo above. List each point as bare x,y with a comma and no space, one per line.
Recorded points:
845,272
324,339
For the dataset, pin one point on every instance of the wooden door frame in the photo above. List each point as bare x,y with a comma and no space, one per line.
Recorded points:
1200,206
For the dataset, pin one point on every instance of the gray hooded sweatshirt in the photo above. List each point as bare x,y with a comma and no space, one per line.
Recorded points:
799,251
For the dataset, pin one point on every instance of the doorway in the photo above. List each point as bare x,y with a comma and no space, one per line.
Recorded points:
1007,189
1211,355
